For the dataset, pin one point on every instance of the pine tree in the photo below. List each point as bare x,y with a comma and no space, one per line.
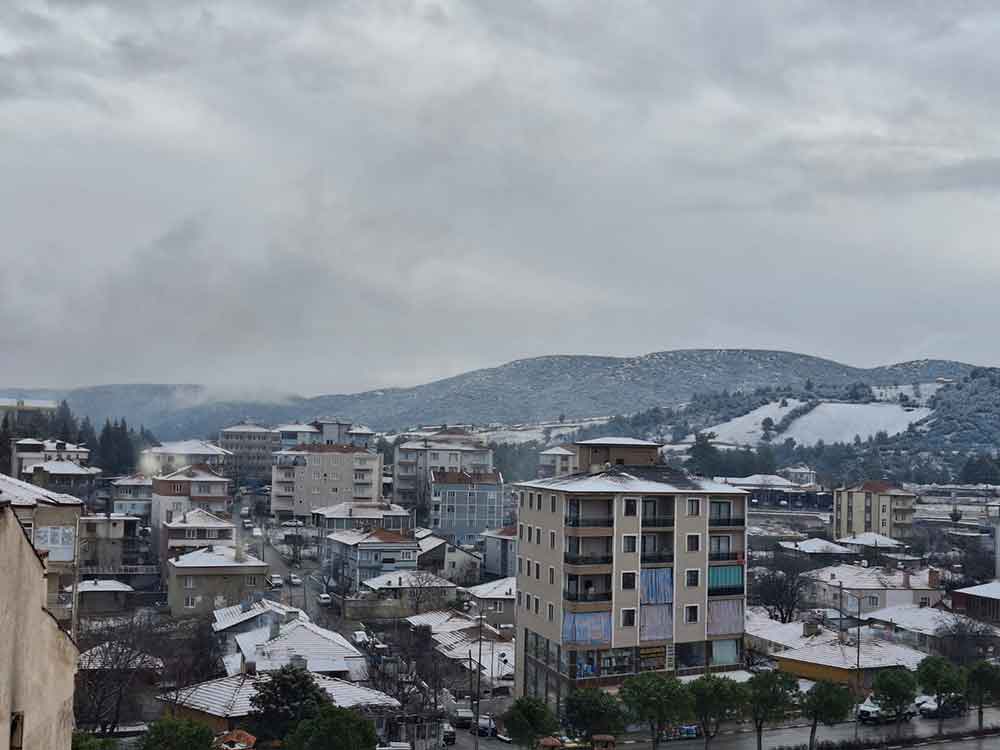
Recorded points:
64,425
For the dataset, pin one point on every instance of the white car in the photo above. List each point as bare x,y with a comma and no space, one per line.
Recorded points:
275,581
324,600
294,580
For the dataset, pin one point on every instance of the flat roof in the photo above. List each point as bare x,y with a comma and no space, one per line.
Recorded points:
642,480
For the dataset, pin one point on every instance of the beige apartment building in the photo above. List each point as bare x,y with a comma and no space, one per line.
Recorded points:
202,581
875,506
630,567
251,446
318,475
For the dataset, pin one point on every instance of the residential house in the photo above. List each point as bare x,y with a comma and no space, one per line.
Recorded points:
596,583
464,504
26,452
871,545
37,659
875,506
297,642
452,450
325,431
251,446
356,514
980,602
101,596
202,485
318,475
195,529
776,490
500,552
935,631
815,552
848,587
799,474
355,555
133,496
115,545
251,614
64,476
25,410
51,520
495,599
557,461
361,436
207,579
414,589
762,635
844,663
169,457
459,565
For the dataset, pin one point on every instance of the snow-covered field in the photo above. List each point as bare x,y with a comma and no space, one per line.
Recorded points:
920,394
524,433
833,422
746,430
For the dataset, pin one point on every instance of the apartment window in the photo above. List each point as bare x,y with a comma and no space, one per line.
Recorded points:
552,613
628,581
521,499
520,531
691,614
630,505
531,501
190,533
552,503
925,601
498,606
211,533
251,580
537,603
189,602
518,598
628,543
692,578
16,730
538,572
538,535
720,509
693,542
552,540
871,601
628,618
520,565
694,506
719,544
552,575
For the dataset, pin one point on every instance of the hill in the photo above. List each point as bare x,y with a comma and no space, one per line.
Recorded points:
520,391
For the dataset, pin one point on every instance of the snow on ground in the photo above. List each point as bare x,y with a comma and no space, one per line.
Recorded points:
920,394
835,422
524,433
746,430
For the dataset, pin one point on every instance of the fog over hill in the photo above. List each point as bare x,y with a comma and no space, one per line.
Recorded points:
519,391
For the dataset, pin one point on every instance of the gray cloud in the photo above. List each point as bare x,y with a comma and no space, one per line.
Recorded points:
333,196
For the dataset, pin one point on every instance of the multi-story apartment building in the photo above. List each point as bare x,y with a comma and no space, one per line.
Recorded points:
193,530
556,461
64,476
318,475
169,457
500,552
201,485
202,581
362,515
447,450
355,556
133,496
465,504
875,506
114,544
26,452
24,409
251,446
325,431
628,567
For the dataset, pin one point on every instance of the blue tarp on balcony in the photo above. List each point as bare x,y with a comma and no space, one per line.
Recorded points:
657,586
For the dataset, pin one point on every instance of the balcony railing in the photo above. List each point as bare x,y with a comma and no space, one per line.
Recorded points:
573,559
725,590
657,557
587,596
658,521
727,521
719,556
595,521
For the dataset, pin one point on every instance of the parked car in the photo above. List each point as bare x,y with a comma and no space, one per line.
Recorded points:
870,712
324,600
462,718
294,580
247,523
486,728
952,706
447,734
681,732
275,581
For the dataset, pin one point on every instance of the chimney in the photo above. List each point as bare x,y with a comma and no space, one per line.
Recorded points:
934,578
810,628
250,667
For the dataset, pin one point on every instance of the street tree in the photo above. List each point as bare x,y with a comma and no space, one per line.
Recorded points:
770,696
176,734
333,728
781,591
425,590
528,720
713,700
942,679
590,711
982,682
825,703
894,691
283,699
657,700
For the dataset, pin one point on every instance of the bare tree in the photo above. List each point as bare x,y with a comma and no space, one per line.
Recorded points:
965,641
425,591
782,592
191,654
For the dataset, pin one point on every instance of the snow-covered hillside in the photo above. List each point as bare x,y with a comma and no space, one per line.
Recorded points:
834,422
919,394
747,430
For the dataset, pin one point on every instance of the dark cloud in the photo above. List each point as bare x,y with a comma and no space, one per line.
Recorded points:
328,196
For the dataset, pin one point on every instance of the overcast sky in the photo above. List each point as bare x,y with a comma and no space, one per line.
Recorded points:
323,196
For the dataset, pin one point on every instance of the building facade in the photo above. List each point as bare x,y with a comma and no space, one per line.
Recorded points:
193,530
133,496
848,587
500,552
557,461
464,504
353,556
318,475
362,515
447,450
115,544
26,409
874,506
202,486
169,457
634,567
29,451
251,446
200,582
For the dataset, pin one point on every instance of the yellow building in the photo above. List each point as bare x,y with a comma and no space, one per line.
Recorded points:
874,506
844,663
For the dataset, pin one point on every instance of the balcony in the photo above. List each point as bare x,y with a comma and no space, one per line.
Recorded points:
725,591
724,556
587,596
657,522
727,521
595,522
657,557
575,559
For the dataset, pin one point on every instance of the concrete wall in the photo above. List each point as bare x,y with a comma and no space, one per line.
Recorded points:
37,660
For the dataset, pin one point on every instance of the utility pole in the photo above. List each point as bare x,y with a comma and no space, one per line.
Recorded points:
479,677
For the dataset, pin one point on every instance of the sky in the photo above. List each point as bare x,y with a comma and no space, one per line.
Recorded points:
319,196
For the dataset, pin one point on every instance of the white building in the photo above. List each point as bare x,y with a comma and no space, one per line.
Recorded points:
448,450
318,475
355,556
844,586
28,451
169,457
133,495
360,515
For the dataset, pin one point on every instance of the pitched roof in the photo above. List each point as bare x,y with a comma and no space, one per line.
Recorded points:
407,579
228,617
637,479
214,557
118,656
296,428
925,620
507,532
871,539
187,448
816,547
105,585
247,427
502,588
880,487
360,509
134,480
198,518
759,480
875,654
324,650
352,537
858,577
443,620
24,494
788,635
989,590
619,441
324,448
194,472
557,451
64,468
53,445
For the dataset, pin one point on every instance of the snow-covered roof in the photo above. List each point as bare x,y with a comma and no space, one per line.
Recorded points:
106,585
633,479
736,675
25,494
858,577
443,445
229,697
495,660
187,448
361,429
502,588
357,509
925,620
871,539
788,635
557,451
408,579
105,517
352,537
759,480
247,427
215,557
875,654
135,480
430,542
31,403
198,518
989,590
194,473
508,532
228,617
816,547
443,621
64,468
324,650
52,445
296,428
619,441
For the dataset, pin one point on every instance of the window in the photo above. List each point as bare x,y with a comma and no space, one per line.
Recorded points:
628,618
552,575
531,501
538,535
552,503
871,601
518,598
694,506
16,730
693,542
520,565
538,572
552,540
628,581
925,601
251,580
692,578
211,533
552,613
522,499
528,528
719,544
630,506
520,531
189,602
498,606
721,509
189,582
628,543
691,614
537,603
